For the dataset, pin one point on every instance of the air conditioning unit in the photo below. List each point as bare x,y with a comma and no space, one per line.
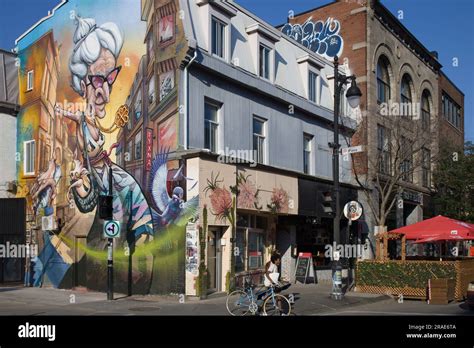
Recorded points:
48,223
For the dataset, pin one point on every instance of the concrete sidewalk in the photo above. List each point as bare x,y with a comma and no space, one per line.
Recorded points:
309,299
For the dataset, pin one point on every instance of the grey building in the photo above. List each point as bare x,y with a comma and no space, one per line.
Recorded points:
8,110
257,120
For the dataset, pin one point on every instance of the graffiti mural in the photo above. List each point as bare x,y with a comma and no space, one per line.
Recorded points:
320,37
79,69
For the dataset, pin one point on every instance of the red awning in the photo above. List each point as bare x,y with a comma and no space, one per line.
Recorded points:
439,228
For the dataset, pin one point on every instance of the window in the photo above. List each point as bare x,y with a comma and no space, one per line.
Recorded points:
313,87
29,148
151,90
255,249
425,110
426,167
384,150
383,80
30,80
211,126
307,144
166,84
250,239
138,146
138,105
150,46
451,111
406,160
166,28
264,61
259,139
405,95
129,154
218,37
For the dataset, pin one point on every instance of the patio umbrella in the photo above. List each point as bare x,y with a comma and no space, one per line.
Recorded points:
439,228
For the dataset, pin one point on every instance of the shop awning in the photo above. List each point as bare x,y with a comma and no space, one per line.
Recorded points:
439,228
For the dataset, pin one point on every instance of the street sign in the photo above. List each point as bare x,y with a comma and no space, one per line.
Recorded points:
353,149
353,210
304,268
111,229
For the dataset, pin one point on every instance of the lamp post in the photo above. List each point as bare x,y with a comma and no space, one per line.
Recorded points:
353,95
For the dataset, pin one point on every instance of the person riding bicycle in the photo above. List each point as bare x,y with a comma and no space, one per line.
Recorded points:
271,271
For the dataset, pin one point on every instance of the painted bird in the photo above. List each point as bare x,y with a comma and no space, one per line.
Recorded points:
174,210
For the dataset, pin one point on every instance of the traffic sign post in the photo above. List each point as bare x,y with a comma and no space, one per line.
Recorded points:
111,231
352,211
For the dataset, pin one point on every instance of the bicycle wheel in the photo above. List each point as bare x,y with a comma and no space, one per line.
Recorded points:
276,305
238,303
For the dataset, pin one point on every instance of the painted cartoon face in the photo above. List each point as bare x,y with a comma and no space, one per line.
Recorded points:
99,80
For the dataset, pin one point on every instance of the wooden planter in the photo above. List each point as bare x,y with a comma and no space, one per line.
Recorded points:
441,291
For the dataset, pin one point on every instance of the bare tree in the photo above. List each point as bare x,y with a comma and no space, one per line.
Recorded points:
402,156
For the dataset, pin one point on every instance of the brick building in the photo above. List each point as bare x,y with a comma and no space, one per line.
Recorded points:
393,70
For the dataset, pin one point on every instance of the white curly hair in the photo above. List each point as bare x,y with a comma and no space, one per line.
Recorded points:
89,39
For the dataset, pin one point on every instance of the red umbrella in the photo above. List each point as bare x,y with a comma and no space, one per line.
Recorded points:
439,228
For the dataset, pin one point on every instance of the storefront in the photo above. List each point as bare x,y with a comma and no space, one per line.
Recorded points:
313,225
257,198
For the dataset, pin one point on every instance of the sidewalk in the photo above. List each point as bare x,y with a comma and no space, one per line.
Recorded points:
309,299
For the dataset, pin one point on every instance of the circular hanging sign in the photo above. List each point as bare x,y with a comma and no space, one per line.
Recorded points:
353,210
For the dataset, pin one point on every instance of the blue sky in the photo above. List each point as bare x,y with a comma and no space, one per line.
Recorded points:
445,26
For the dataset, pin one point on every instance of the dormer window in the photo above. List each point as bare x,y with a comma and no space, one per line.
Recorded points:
315,85
262,40
217,17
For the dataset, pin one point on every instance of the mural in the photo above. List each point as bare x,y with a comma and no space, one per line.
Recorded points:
320,37
84,60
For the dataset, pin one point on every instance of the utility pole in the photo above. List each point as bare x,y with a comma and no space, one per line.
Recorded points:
110,246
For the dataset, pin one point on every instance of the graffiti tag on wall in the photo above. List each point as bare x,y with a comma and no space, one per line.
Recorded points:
320,37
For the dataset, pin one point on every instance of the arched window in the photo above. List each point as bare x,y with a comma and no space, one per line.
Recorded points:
425,109
405,89
406,96
383,80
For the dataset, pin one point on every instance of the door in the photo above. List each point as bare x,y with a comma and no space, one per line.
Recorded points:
214,259
13,237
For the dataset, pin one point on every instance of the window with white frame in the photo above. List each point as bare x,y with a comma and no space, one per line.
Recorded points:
29,153
30,80
259,139
313,86
264,61
307,146
218,37
211,126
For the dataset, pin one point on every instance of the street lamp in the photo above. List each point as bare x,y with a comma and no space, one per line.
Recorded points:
353,95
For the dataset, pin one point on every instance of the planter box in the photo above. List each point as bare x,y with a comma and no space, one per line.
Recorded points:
441,291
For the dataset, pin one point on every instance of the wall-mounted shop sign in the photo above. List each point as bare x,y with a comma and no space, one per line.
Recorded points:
320,37
411,196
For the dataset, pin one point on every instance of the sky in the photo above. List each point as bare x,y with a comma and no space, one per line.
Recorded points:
446,26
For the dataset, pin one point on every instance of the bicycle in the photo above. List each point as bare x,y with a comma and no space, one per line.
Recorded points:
244,301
